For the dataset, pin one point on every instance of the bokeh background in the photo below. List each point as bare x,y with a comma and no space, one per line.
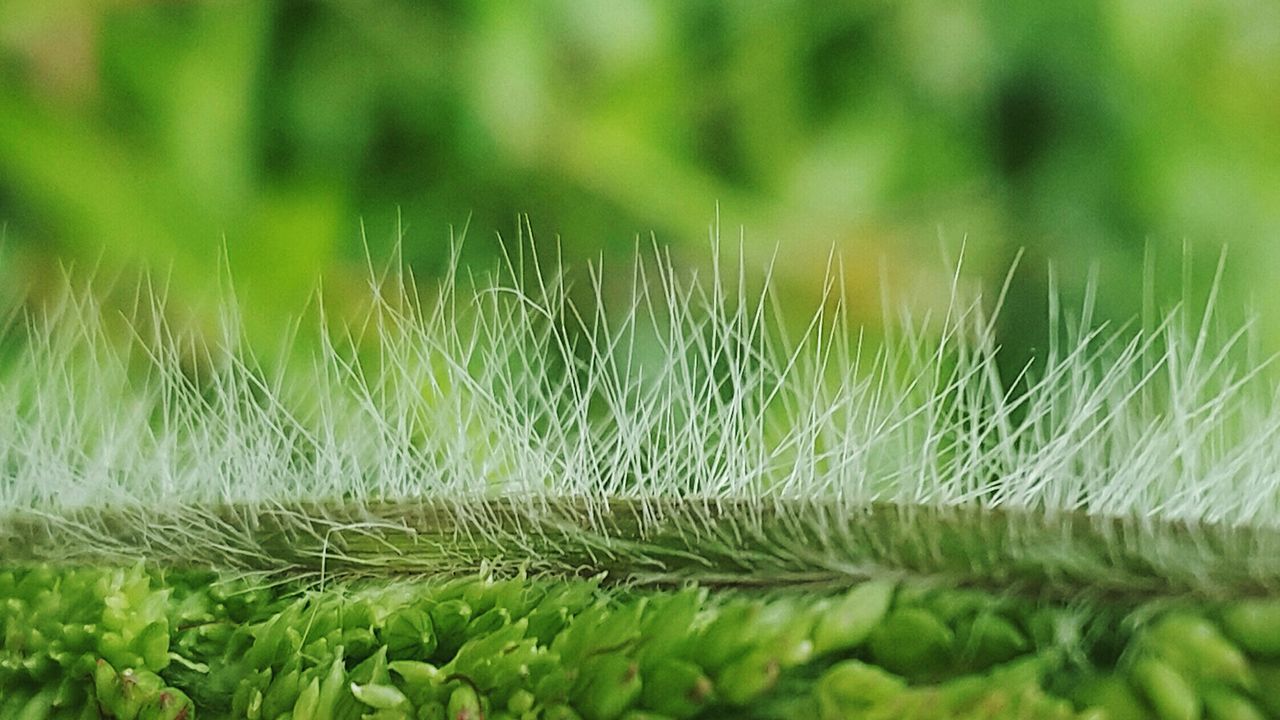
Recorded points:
298,135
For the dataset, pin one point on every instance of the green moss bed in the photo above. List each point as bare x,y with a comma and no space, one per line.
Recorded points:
149,644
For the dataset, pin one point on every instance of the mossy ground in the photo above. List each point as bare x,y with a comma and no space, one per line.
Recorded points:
146,644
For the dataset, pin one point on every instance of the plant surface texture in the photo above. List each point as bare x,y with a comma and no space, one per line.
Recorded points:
514,496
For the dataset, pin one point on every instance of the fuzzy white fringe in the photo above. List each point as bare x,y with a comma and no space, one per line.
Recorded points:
689,397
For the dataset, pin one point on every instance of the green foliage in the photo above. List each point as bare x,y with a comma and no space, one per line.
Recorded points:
147,132
240,650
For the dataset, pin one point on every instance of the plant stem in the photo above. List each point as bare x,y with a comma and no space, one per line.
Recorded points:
764,543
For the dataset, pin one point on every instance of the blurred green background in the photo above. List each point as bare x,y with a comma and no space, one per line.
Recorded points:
144,133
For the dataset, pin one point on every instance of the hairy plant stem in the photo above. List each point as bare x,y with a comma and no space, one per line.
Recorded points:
762,543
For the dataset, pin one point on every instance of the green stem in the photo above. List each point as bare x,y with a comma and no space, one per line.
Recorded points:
662,540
